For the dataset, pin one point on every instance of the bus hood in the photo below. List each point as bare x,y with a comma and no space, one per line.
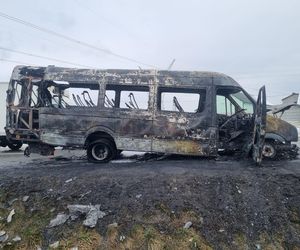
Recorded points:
282,128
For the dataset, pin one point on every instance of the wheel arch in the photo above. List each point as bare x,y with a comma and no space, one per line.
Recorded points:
275,137
99,132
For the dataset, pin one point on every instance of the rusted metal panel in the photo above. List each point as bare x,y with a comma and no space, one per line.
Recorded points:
282,128
54,138
134,144
187,147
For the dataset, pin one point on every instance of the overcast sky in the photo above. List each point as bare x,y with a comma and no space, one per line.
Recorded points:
256,42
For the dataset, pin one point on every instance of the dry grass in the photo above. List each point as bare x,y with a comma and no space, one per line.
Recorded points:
83,238
30,226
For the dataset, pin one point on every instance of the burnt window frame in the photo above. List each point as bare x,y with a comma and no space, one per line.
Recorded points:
91,85
227,89
118,88
184,90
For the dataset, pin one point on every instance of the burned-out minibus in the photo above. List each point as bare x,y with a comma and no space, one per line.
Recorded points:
107,111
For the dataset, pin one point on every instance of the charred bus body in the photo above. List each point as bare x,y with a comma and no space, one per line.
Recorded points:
4,142
106,111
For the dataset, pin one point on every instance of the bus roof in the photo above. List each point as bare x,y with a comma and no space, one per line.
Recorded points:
124,76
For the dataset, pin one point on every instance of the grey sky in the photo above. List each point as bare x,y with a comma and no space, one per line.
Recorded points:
255,42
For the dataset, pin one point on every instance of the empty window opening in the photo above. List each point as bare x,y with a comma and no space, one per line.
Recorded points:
126,97
134,99
81,97
70,97
34,96
110,99
179,100
18,89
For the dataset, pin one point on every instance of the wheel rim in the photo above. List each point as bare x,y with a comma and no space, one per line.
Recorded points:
100,152
268,150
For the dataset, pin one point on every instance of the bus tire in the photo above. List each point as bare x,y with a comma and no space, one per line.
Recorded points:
269,150
101,151
14,146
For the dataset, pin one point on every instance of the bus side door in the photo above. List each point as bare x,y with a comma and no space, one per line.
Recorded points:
182,122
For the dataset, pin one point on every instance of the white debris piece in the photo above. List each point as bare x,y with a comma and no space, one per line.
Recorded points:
81,209
239,191
11,214
92,217
69,180
54,244
74,248
60,219
25,198
138,196
3,236
187,225
122,238
258,246
91,212
17,238
84,194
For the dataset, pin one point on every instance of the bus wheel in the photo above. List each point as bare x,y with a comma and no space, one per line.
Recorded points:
101,151
14,146
269,150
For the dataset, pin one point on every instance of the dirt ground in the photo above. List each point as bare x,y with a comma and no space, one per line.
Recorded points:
232,204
